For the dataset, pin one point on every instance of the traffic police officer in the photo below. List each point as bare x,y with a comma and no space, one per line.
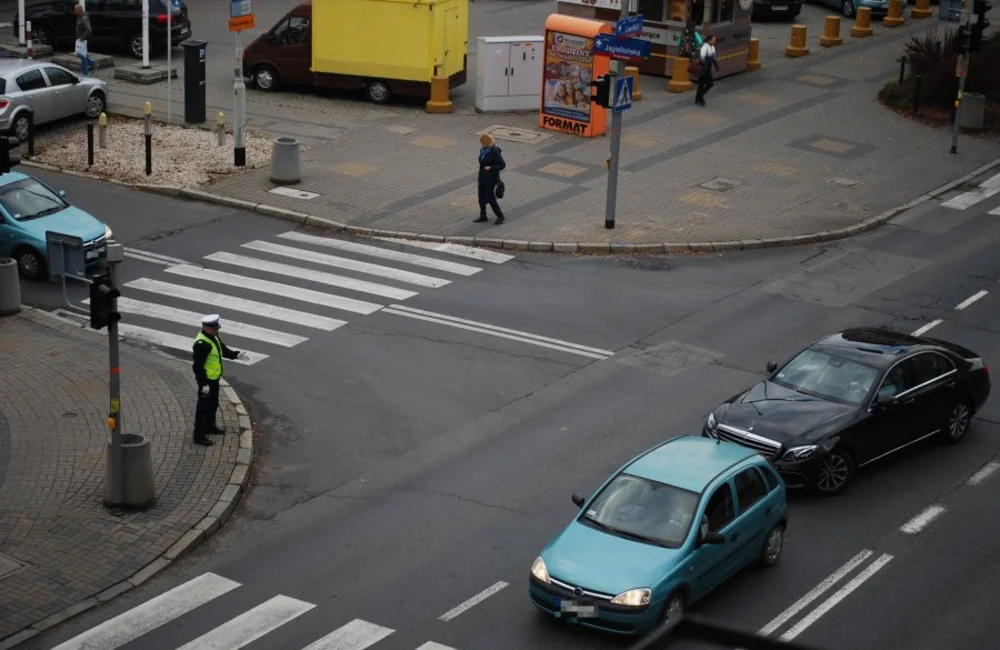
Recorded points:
209,351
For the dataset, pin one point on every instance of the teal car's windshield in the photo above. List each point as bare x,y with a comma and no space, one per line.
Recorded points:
29,199
824,375
643,510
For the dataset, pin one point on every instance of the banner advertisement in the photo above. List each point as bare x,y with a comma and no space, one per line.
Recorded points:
569,69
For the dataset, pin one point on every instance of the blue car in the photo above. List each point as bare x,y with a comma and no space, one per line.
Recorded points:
28,209
665,530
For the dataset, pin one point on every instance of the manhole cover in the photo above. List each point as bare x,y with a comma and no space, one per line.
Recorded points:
721,184
9,566
515,134
294,194
846,182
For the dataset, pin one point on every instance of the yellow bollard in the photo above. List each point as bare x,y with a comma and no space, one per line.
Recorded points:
102,130
220,128
753,59
439,101
633,72
895,16
831,32
797,47
680,81
922,10
863,24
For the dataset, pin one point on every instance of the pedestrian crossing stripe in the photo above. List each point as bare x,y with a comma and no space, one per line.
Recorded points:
988,188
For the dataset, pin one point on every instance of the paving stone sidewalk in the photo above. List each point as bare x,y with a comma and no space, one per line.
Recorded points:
61,550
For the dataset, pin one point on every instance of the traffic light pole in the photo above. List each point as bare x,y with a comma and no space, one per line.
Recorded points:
114,385
963,72
614,72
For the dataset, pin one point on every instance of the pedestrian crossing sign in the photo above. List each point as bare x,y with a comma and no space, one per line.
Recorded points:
623,94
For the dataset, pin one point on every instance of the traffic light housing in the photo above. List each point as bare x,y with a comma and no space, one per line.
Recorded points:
980,8
7,159
601,91
102,297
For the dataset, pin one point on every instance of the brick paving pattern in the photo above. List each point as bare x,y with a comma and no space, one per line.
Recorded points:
58,543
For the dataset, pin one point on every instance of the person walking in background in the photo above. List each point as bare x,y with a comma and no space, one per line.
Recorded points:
83,32
491,163
707,59
209,351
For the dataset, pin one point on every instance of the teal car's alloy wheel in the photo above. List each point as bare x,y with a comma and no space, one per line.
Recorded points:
674,609
773,545
29,264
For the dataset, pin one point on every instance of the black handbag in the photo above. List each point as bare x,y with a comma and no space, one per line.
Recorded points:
500,189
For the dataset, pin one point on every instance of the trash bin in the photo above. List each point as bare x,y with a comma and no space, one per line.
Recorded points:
10,287
138,490
285,169
973,112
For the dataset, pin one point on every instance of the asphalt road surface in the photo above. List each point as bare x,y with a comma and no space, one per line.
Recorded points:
411,470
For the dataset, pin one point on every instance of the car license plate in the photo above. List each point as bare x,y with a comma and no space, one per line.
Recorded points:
95,253
779,7
578,609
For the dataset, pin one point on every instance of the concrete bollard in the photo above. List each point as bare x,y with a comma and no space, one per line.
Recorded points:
895,16
797,47
440,101
138,490
973,112
680,79
102,131
862,27
922,10
753,59
633,72
220,127
831,32
10,287
285,168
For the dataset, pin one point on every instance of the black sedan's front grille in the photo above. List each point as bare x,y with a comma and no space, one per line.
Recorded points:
767,448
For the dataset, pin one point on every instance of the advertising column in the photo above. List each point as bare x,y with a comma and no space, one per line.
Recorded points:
569,68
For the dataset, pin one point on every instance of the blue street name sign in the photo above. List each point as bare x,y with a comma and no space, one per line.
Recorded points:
631,26
631,49
240,8
623,94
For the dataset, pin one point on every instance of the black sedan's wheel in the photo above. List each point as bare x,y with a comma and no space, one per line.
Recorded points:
959,420
835,472
774,543
42,36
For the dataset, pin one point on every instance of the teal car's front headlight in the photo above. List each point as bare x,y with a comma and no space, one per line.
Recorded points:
540,571
632,597
108,234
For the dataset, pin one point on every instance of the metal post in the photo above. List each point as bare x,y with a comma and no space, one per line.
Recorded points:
902,69
963,71
170,61
148,127
20,22
616,70
31,54
90,143
916,96
31,134
220,127
239,106
117,487
145,34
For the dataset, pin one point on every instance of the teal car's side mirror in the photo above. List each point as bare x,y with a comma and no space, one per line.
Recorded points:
578,500
62,193
713,538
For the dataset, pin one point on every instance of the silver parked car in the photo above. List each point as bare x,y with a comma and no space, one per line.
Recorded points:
46,92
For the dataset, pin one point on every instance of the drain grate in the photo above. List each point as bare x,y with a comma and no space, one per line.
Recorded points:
515,134
9,566
721,184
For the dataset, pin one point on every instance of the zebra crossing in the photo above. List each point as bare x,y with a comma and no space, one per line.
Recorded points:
278,293
233,634
986,190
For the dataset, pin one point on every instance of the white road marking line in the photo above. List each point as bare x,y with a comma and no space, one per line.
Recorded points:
991,183
321,277
920,331
356,635
968,199
384,253
971,299
150,615
984,473
155,256
566,344
144,258
220,300
472,602
473,253
921,521
995,212
431,645
840,595
185,317
815,593
492,332
351,265
176,342
250,625
276,288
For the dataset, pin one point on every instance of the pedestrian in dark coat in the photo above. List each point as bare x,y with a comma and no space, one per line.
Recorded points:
708,59
491,163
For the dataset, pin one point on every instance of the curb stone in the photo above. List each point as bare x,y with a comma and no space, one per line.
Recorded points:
520,245
205,528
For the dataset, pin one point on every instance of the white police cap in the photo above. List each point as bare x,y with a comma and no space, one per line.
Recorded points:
211,319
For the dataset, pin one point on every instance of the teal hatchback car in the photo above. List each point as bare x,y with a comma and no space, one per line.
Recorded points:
665,530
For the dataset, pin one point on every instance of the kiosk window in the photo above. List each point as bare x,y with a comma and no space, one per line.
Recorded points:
718,11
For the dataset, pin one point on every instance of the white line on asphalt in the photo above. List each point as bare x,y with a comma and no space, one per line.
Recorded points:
387,272
384,253
921,521
815,593
216,300
472,602
995,212
156,256
146,258
321,277
920,331
566,344
356,635
473,253
431,645
971,299
968,199
838,596
174,341
991,183
250,625
277,289
987,471
153,613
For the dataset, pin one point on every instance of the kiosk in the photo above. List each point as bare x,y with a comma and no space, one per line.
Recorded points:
728,20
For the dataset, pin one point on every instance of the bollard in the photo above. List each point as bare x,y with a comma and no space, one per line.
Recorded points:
895,16
797,47
680,81
31,134
27,36
753,60
220,127
10,287
922,10
90,143
102,131
916,95
138,485
863,24
148,127
439,101
831,32
633,71
285,167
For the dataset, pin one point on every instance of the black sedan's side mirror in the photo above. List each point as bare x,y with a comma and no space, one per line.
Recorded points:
885,401
772,365
578,500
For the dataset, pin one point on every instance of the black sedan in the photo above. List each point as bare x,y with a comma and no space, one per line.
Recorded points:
852,398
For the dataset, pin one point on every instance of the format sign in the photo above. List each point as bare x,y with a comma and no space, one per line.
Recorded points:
630,49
